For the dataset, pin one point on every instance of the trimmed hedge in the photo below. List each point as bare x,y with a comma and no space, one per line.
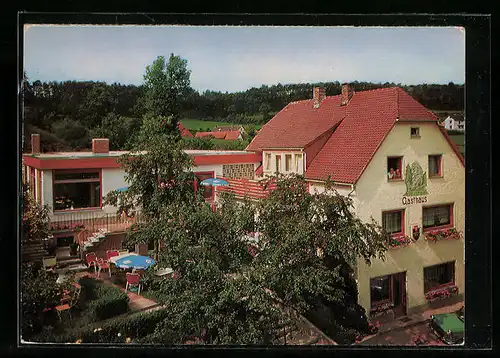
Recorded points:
103,301
136,326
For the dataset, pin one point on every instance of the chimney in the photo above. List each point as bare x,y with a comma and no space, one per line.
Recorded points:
100,145
319,95
346,95
35,143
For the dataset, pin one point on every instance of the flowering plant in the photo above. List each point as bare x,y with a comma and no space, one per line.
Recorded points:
399,241
380,308
441,293
445,234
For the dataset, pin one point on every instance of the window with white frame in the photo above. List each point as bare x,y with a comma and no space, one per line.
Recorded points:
298,162
268,161
288,162
278,163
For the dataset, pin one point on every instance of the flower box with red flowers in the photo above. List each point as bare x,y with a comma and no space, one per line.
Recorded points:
443,234
381,309
441,293
399,241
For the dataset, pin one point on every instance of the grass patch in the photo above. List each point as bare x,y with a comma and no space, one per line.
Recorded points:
202,125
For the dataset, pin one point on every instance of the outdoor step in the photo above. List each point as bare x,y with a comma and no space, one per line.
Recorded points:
74,267
68,262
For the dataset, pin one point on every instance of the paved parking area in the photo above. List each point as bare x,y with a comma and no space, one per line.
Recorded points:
405,336
402,332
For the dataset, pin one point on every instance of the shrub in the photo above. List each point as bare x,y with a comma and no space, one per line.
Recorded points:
39,290
111,304
103,301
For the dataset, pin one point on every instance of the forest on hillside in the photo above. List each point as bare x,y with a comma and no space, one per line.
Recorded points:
68,114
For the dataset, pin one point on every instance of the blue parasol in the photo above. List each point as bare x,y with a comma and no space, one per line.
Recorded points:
214,182
135,261
122,189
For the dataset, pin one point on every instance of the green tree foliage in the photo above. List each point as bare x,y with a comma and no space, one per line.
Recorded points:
38,291
72,132
121,131
35,224
166,91
166,85
308,249
38,288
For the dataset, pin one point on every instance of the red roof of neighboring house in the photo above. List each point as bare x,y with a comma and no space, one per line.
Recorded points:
216,135
232,135
369,117
298,124
259,170
184,131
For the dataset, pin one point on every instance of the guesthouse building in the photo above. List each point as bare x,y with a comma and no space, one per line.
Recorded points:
387,152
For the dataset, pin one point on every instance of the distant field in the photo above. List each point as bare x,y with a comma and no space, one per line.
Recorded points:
459,140
200,125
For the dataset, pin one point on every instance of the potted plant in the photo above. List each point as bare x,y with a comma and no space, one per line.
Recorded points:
73,248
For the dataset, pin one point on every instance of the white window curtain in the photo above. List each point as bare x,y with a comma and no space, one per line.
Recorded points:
436,216
391,222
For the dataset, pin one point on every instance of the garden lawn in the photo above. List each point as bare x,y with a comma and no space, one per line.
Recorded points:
201,125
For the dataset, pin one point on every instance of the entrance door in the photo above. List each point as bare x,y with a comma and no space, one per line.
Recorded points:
399,294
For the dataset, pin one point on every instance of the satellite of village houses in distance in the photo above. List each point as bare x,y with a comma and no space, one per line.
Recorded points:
264,194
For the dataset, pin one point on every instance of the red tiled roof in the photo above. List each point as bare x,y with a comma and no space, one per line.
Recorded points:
184,131
298,124
232,135
369,117
216,135
259,170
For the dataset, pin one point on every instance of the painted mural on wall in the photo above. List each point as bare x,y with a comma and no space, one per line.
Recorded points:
415,180
416,185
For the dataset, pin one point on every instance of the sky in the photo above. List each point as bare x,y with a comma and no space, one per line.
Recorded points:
229,58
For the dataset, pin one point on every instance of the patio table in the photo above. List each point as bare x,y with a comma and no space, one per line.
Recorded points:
137,262
115,258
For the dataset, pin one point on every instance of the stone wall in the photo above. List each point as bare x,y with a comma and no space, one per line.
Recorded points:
238,171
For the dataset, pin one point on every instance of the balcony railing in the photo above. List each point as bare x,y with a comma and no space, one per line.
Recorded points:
93,222
253,189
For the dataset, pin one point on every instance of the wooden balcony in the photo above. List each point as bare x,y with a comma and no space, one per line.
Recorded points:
93,222
253,189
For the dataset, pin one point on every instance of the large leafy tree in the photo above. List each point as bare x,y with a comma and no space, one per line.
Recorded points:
166,84
157,168
38,287
210,295
309,245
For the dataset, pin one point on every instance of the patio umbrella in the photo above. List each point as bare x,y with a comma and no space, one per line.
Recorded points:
136,262
214,182
122,189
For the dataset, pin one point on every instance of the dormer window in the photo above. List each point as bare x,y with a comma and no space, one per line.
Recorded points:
394,168
415,132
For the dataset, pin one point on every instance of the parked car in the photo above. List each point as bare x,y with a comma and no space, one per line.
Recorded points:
449,327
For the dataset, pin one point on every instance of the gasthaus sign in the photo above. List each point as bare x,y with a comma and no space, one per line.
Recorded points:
416,185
